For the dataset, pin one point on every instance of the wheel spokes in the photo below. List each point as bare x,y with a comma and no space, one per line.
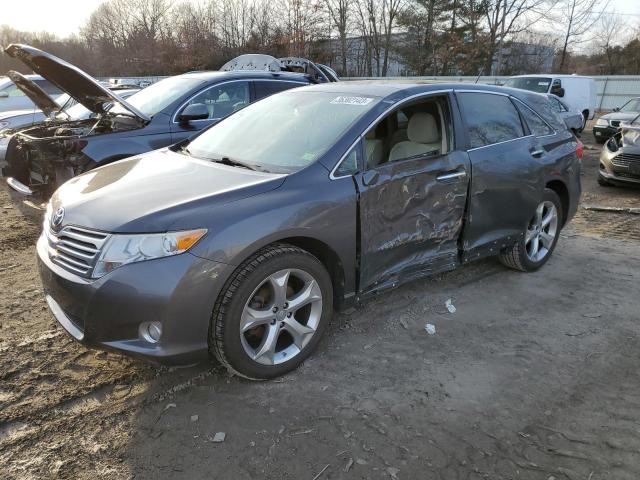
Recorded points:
252,318
535,246
310,293
267,349
300,333
546,240
548,218
279,282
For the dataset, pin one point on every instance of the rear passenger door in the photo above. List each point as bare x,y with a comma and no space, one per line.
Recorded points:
264,88
413,193
221,101
507,166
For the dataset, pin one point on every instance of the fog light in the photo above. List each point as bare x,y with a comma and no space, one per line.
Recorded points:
151,331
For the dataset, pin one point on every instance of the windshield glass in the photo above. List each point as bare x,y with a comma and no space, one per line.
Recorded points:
282,133
158,96
533,84
631,106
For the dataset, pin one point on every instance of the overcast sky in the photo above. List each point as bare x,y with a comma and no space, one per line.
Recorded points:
64,17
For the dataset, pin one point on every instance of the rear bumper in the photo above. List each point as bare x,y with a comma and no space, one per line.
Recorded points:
179,292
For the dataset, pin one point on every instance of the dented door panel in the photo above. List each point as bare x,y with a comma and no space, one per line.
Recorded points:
506,186
411,218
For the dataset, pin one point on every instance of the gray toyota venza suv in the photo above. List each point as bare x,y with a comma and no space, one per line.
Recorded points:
241,242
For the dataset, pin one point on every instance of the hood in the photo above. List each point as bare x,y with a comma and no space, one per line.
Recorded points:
631,136
152,192
38,96
620,116
70,79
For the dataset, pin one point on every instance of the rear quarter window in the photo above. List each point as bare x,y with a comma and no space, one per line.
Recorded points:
490,118
536,124
543,108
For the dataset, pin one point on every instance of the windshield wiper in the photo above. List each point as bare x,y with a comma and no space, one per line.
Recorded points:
234,163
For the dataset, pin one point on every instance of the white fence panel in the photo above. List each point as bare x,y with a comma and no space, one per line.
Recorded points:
612,91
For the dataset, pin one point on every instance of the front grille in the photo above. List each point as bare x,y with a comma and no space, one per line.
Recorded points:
75,249
626,160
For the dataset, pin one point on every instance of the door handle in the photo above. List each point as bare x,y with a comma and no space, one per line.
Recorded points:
445,177
370,177
537,153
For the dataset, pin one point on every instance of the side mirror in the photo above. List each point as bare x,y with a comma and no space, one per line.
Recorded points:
4,95
616,109
195,111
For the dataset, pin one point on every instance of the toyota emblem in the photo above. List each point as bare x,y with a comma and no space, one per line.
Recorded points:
58,216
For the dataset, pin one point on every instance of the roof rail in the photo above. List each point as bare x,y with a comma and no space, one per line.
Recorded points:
256,61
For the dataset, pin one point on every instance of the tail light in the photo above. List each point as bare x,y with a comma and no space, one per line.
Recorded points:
579,149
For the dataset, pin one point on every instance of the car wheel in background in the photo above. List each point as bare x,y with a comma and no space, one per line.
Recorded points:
271,313
539,237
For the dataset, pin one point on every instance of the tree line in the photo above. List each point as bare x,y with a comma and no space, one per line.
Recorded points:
355,37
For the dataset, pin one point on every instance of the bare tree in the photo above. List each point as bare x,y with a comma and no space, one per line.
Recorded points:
577,18
610,32
505,18
340,13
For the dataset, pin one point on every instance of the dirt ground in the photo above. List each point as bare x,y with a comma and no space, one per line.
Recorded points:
535,376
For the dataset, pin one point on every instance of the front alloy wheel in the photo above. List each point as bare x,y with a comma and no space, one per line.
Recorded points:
281,316
271,313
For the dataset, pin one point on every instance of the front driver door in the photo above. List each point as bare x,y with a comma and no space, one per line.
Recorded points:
411,209
221,100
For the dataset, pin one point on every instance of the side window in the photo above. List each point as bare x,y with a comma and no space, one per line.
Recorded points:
349,165
48,87
223,100
264,89
419,129
536,124
490,118
14,91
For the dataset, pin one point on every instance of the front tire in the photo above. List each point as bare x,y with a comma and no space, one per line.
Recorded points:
271,313
539,237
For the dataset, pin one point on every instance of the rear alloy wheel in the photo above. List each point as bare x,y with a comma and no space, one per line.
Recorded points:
272,313
539,238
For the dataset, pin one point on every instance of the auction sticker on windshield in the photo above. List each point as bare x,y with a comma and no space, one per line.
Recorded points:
343,100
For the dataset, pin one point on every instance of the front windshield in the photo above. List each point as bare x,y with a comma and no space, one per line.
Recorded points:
631,106
160,95
533,84
282,133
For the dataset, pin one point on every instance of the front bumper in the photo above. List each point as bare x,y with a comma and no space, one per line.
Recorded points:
621,166
604,132
179,292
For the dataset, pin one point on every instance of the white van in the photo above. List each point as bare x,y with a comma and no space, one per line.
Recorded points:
579,93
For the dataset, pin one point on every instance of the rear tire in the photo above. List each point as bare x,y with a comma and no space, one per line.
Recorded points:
539,238
271,313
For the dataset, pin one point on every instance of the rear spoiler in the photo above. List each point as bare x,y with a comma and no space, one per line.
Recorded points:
317,73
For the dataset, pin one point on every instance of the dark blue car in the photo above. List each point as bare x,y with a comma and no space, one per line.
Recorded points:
44,156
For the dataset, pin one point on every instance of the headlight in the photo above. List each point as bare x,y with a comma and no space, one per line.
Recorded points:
122,249
602,122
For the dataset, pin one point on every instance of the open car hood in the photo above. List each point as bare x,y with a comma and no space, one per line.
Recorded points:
38,96
70,79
